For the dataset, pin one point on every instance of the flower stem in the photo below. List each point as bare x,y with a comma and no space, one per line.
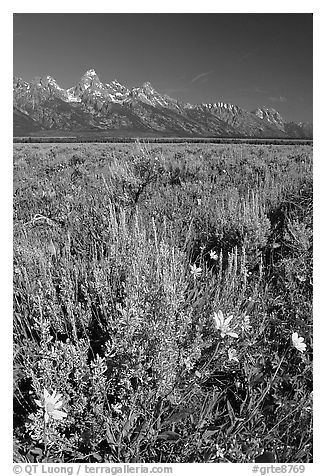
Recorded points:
45,440
212,358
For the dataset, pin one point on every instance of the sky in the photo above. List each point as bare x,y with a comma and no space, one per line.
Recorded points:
248,60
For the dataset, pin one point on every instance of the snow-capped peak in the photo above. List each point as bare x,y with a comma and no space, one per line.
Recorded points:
52,81
221,105
270,114
117,87
90,72
148,87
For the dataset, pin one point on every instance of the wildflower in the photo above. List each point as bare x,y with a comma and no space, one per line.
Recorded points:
117,408
245,326
223,325
232,353
51,406
196,272
219,451
188,364
213,255
298,342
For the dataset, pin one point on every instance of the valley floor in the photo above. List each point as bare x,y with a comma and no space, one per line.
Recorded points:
162,302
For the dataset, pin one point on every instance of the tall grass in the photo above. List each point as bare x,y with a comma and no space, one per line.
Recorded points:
108,313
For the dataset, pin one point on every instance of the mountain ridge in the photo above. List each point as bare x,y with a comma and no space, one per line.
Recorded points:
93,106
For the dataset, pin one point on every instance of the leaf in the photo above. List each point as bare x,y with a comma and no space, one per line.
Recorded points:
129,423
140,432
230,411
169,436
178,416
266,457
97,457
208,433
36,451
110,437
34,455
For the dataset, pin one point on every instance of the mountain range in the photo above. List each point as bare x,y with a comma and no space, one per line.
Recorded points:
91,107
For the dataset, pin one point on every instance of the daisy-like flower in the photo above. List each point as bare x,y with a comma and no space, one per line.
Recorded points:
117,408
232,354
213,255
188,364
223,325
196,272
219,451
51,406
245,326
298,342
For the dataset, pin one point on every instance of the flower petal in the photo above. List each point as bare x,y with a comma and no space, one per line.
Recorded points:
50,400
232,334
58,414
46,394
228,320
38,403
58,396
58,405
220,315
217,320
46,417
53,394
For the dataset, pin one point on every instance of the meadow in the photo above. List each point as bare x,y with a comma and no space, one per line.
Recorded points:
160,294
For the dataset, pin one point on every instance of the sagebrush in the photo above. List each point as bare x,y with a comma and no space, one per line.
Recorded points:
123,255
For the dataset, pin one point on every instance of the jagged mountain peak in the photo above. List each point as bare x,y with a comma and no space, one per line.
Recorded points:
49,81
89,83
90,76
266,110
269,114
92,105
19,81
116,82
117,87
148,87
222,105
90,73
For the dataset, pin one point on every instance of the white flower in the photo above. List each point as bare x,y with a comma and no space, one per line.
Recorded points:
188,364
219,451
117,408
298,342
232,353
213,255
223,324
245,326
51,406
196,272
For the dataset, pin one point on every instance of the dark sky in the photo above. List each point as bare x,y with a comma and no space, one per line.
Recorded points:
244,59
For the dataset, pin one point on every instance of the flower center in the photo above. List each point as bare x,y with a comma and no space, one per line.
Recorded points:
49,407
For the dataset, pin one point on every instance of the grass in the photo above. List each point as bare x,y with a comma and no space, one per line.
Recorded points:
108,313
